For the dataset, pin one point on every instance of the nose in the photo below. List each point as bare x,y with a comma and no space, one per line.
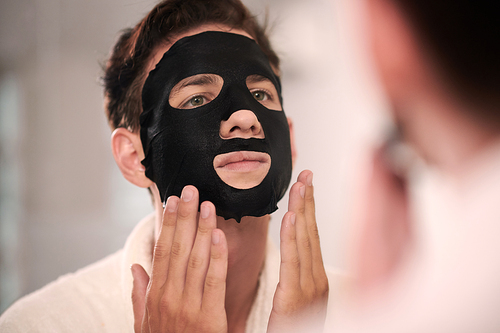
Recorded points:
242,124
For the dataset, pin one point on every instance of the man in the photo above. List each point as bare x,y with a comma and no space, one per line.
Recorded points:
439,62
193,98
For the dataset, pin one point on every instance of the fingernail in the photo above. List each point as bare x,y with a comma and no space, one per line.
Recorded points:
302,191
215,237
204,211
292,219
187,194
171,204
310,179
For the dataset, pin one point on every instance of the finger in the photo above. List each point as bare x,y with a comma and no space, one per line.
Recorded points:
163,245
290,262
306,177
183,240
214,292
296,204
200,255
139,287
146,328
161,259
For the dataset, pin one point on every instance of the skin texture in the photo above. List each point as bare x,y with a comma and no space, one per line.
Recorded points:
206,269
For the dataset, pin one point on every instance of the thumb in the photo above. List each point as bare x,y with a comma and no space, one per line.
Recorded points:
139,287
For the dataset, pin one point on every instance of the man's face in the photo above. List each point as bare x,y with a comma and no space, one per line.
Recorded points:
213,118
239,169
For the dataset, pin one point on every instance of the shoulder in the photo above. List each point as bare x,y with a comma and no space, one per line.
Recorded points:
80,301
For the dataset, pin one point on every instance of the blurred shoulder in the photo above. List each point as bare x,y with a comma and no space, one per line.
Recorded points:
89,299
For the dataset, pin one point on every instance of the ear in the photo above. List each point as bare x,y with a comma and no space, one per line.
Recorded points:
292,140
397,50
128,154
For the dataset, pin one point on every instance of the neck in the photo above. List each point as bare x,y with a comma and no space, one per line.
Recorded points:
247,250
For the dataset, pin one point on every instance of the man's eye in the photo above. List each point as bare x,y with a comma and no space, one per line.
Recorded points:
260,95
195,102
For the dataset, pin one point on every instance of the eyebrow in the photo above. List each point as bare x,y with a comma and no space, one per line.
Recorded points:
255,78
196,80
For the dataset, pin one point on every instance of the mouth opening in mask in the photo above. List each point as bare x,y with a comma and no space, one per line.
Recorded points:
242,169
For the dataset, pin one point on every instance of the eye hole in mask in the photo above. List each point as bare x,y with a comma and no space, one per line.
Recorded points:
195,91
264,91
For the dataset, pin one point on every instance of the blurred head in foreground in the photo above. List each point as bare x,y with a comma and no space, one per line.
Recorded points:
440,65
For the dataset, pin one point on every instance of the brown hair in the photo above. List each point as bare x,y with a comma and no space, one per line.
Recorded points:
462,36
124,73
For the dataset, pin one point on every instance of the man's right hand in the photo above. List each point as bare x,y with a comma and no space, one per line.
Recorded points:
186,291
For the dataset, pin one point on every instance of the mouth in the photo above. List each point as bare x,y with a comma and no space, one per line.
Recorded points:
242,169
242,161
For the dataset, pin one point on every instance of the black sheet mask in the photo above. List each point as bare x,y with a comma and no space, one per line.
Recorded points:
181,144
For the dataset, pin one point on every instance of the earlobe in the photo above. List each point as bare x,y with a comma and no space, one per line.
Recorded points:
128,153
292,140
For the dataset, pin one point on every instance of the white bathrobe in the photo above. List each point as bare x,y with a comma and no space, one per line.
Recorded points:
97,298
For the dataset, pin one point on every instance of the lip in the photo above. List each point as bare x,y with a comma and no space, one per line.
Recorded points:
242,169
236,160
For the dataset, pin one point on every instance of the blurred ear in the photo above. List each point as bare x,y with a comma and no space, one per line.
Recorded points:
128,154
292,140
397,51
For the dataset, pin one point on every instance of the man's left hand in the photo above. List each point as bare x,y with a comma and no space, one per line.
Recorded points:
301,296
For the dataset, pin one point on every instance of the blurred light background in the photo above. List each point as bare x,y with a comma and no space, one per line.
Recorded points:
64,203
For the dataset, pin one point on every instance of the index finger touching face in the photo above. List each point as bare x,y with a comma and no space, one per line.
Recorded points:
163,245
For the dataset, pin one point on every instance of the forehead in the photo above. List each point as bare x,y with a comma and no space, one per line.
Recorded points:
164,47
232,56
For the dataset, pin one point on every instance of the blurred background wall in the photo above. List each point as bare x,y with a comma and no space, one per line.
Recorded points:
64,203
